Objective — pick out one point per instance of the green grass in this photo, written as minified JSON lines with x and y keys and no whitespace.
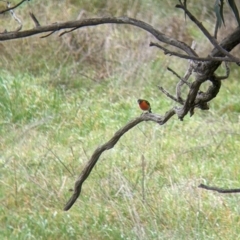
{"x":56,"y":107}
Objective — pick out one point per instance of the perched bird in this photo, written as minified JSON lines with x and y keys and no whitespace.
{"x":144,"y":105}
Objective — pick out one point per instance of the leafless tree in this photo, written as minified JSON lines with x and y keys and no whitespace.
{"x":202,"y":69}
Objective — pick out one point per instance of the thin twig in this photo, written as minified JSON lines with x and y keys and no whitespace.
{"x":11,"y":8}
{"x":58,"y":158}
{"x":220,"y":190}
{"x":68,"y":31}
{"x":216,"y":30}
{"x":47,"y":35}
{"x":36,"y":22}
{"x":171,"y":70}
{"x":184,"y":56}
{"x":184,"y":80}
{"x":164,"y":91}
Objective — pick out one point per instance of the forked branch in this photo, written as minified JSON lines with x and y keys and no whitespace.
{"x":204,"y":69}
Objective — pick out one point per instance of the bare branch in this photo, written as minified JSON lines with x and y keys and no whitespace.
{"x":171,"y":70}
{"x":36,"y":22}
{"x":110,"y":144}
{"x":208,"y":35}
{"x":200,"y":102}
{"x":216,"y":30}
{"x":184,"y":56}
{"x":168,"y":52}
{"x":68,"y":31}
{"x":47,"y":35}
{"x":98,"y":21}
{"x":73,"y":25}
{"x":220,"y":190}
{"x":164,"y":91}
{"x":205,"y":71}
{"x":184,"y":80}
{"x":11,"y":8}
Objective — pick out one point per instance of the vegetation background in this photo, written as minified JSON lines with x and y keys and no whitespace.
{"x":61,"y":97}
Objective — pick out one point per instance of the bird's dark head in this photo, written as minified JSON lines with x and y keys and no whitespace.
{"x":139,"y":101}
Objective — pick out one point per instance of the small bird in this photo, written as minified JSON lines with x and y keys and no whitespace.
{"x":144,"y":105}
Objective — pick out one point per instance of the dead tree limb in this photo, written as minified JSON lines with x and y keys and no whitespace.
{"x":98,"y":21}
{"x":74,"y":25}
{"x":110,"y":144}
{"x":184,"y":56}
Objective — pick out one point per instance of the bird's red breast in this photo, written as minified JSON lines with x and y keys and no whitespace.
{"x":144,"y":105}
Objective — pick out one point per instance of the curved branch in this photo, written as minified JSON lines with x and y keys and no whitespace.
{"x":73,"y":25}
{"x":110,"y":144}
{"x":98,"y":21}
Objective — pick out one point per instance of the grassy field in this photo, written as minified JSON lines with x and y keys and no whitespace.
{"x":61,"y":97}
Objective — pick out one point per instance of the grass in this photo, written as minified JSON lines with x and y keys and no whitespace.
{"x":58,"y":105}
